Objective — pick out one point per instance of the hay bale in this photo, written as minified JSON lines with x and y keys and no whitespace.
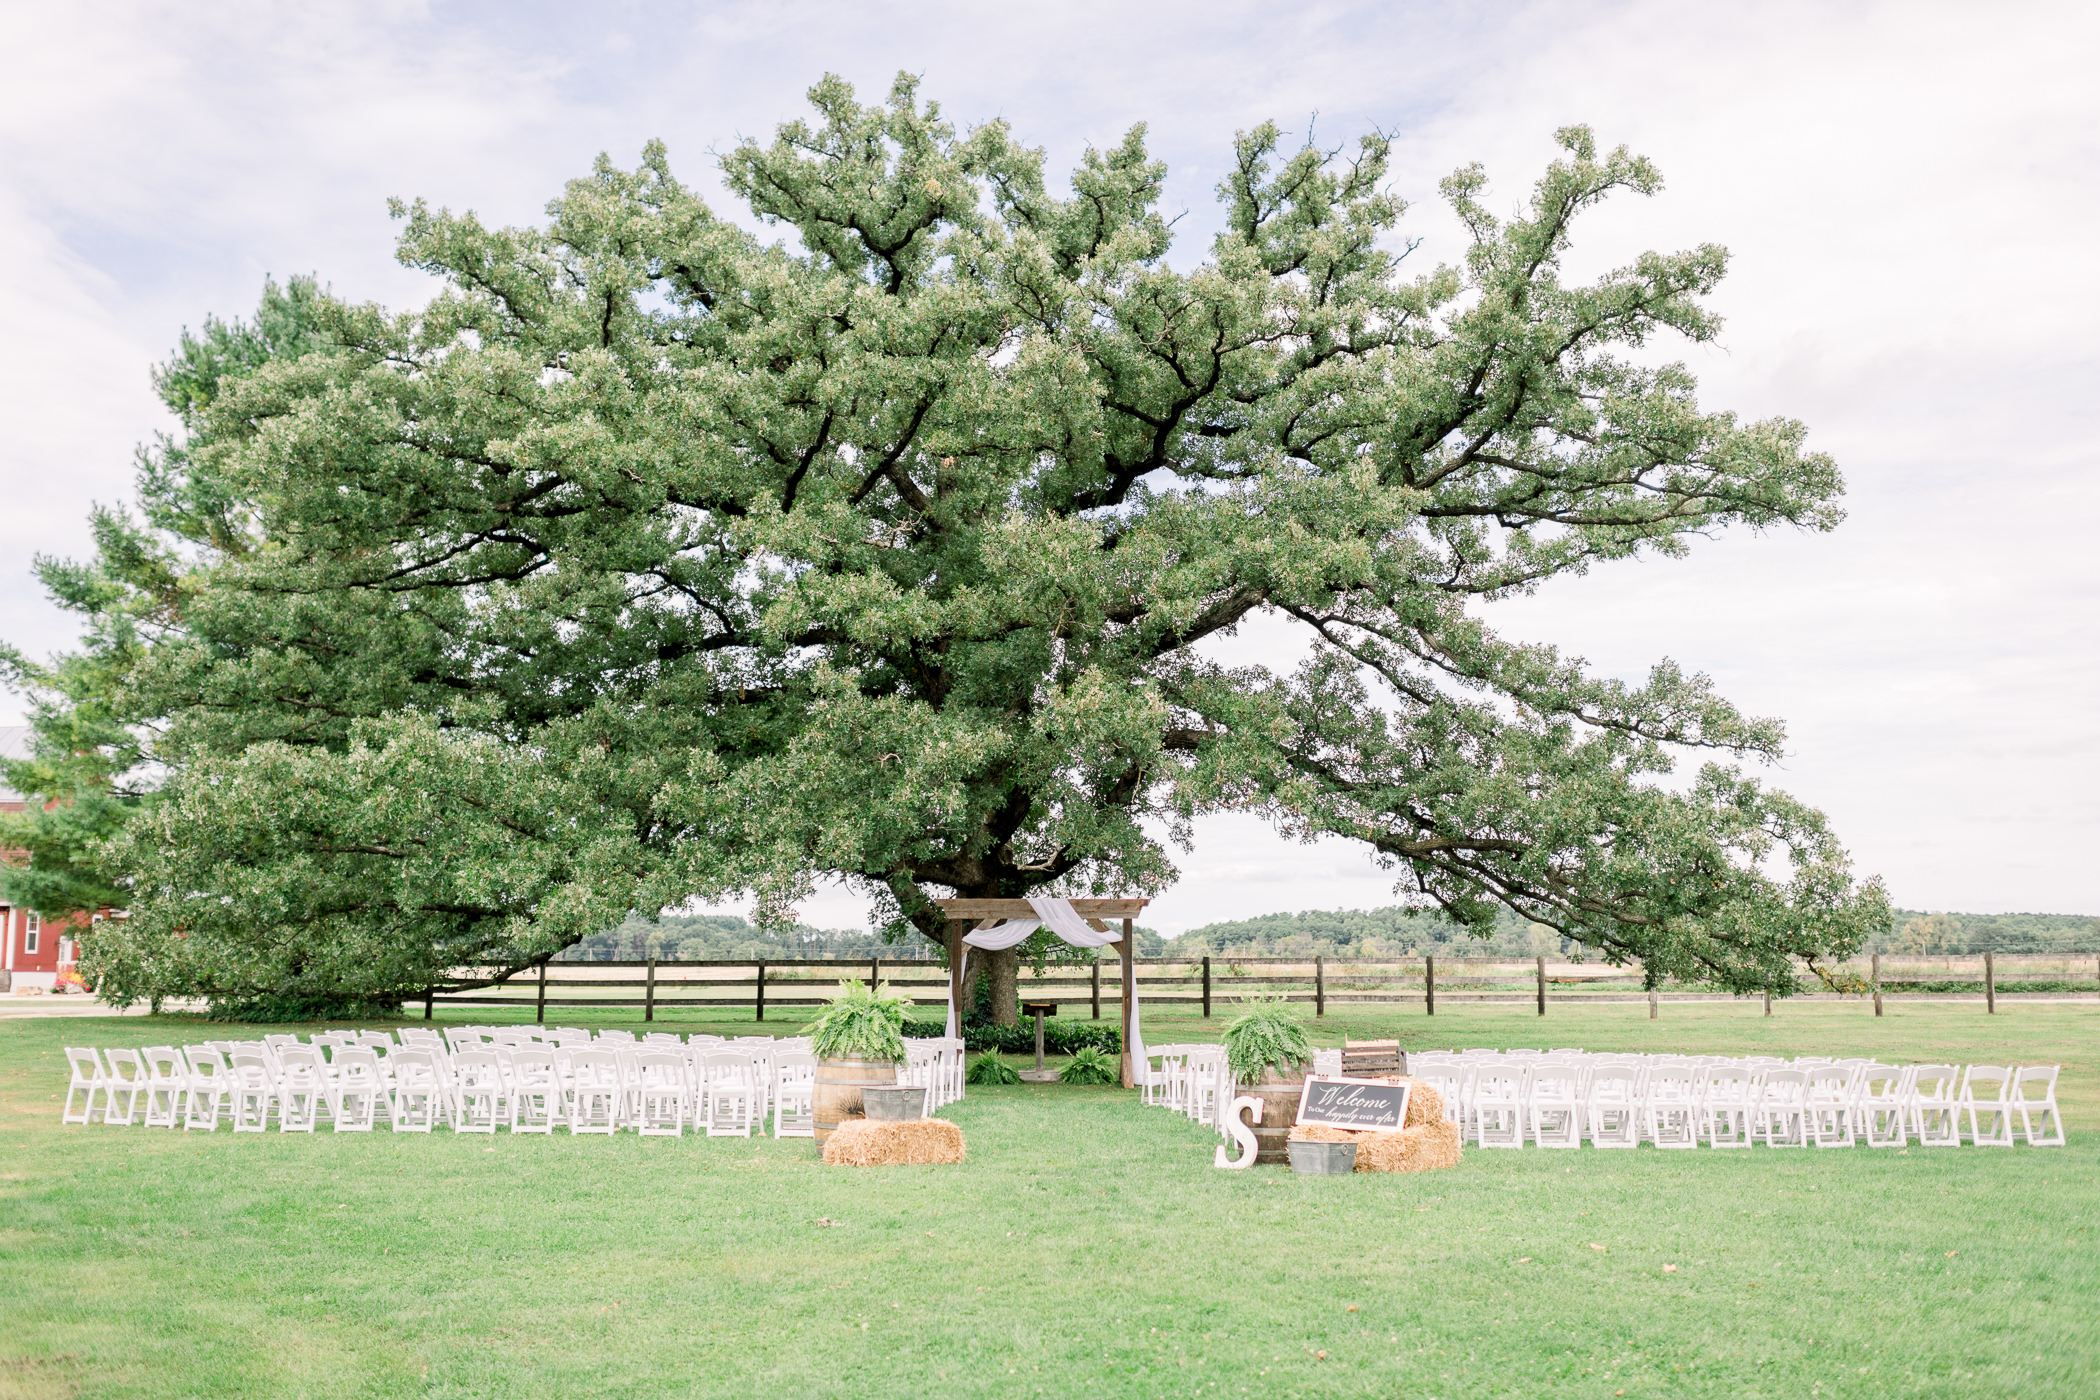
{"x":1424,"y":1106}
{"x":865,"y":1142}
{"x":1423,"y":1149}
{"x":1426,"y":1146}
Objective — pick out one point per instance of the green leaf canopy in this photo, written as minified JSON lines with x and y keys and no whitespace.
{"x":653,"y":559}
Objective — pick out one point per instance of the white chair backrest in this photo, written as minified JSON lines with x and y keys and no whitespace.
{"x":165,"y":1062}
{"x":1986,"y":1082}
{"x":2044,"y":1075}
{"x":414,"y":1066}
{"x":476,"y":1066}
{"x":659,"y":1066}
{"x":205,"y":1061}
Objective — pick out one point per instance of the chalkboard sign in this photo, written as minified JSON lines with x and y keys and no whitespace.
{"x":1360,"y":1105}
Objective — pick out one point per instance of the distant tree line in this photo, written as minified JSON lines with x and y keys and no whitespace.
{"x":1916,"y":931}
{"x":1370,"y":933}
{"x":1400,"y":932}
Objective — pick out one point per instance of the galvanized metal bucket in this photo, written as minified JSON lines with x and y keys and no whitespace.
{"x":1323,"y":1158}
{"x":895,"y":1103}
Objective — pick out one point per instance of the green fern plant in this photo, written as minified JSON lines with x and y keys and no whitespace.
{"x":862,"y":1023}
{"x":1270,"y":1033}
{"x":1091,"y":1065}
{"x":988,"y":1068}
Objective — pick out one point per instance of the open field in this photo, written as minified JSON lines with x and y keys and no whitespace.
{"x":1085,"y":1249}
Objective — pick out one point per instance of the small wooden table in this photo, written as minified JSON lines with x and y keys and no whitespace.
{"x":1039,"y":1009}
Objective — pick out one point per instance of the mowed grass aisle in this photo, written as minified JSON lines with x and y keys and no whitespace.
{"x":1087,"y":1248}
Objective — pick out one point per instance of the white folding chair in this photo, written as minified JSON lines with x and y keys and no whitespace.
{"x":1984,"y":1099}
{"x":1782,"y":1108}
{"x":90,"y":1080}
{"x":917,"y":1071}
{"x":1827,"y":1104}
{"x":1202,"y":1069}
{"x":1498,"y":1105}
{"x":253,"y":1090}
{"x":167,"y":1086}
{"x":595,"y":1091}
{"x":1727,"y":1103}
{"x":1934,"y":1119}
{"x":954,"y":1067}
{"x":536,"y":1095}
{"x":1615,"y":1106}
{"x":728,"y":1087}
{"x":127,"y":1081}
{"x":356,"y":1089}
{"x":208,"y":1083}
{"x":418,"y":1093}
{"x":481,"y":1101}
{"x":794,"y":1095}
{"x":304,"y":1083}
{"x":2042,"y":1110}
{"x":1879,"y":1105}
{"x":660,"y":1093}
{"x":1449,"y":1079}
{"x":1554,"y":1103}
{"x":1670,"y":1104}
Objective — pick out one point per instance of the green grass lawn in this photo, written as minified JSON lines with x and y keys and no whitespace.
{"x":1086,"y":1248}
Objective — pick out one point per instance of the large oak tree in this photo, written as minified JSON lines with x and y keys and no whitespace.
{"x":654,"y":558}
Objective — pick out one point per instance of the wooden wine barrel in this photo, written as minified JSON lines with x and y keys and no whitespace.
{"x":839,"y":1083}
{"x":1279,"y":1094}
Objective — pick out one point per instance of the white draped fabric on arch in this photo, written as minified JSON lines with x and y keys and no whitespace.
{"x":1067,"y":923}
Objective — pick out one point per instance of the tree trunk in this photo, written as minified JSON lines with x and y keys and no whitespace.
{"x":1003,"y":969}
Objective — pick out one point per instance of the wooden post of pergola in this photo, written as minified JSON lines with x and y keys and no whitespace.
{"x":966,"y":914}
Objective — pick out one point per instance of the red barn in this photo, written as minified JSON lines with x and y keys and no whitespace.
{"x":31,"y":951}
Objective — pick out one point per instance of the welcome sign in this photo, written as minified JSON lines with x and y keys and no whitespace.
{"x":1360,"y":1105}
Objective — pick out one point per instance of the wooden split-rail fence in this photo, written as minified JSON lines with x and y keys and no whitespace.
{"x":1216,"y":982}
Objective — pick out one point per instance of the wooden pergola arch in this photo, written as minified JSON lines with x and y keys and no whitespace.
{"x":966,"y":914}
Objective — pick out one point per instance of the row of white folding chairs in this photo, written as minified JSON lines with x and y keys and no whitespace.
{"x":1557,"y":1101}
{"x":935,"y":1064}
{"x":1193,"y":1079}
{"x":657,"y":1090}
{"x":202,"y":1086}
{"x":1848,"y":1100}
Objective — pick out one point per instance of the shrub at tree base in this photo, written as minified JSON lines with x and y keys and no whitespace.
{"x":1020,"y":1040}
{"x":922,"y":1142}
{"x":285,"y":1008}
{"x":988,"y":1068}
{"x":1090,"y":1066}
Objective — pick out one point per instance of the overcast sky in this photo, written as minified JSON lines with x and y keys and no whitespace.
{"x":1909,"y":192}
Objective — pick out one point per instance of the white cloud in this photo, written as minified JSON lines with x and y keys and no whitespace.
{"x":1908,"y":191}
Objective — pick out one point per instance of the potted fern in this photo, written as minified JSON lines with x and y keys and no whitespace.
{"x":1268,"y":1051}
{"x":859,"y":1041}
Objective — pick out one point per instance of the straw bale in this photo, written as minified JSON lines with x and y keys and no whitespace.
{"x":1422,"y":1149}
{"x":865,"y":1142}
{"x":1419,"y":1149}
